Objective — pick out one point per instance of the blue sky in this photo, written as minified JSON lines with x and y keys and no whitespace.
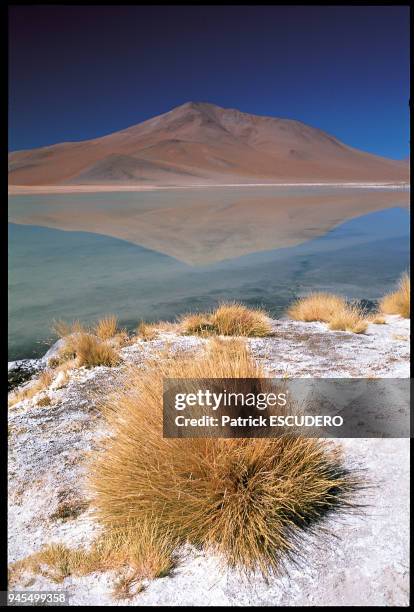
{"x":78,"y":72}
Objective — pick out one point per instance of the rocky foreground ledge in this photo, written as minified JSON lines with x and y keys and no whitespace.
{"x":48,"y":499}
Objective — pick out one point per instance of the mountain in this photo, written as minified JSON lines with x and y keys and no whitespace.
{"x":200,"y":143}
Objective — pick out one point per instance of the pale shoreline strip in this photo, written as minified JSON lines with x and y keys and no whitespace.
{"x":46,"y":189}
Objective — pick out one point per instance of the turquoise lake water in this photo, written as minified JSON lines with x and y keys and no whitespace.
{"x":56,"y":274}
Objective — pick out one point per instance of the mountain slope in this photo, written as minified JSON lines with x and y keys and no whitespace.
{"x":200,"y":143}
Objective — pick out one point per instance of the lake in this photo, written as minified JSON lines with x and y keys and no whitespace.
{"x":261,"y":252}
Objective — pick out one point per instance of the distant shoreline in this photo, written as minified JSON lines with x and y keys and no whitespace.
{"x":50,"y":189}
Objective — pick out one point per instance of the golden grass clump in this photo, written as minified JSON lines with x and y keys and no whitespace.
{"x":138,"y":552}
{"x":147,"y":549}
{"x":106,"y":328}
{"x":126,"y":586}
{"x":350,"y":318}
{"x":316,"y":307}
{"x":376,"y":319}
{"x":237,"y":320}
{"x":44,"y":401}
{"x":331,"y":309}
{"x":90,"y":351}
{"x":197,"y":324}
{"x":90,"y":347}
{"x":147,"y":331}
{"x":121,"y":339}
{"x":398,"y":302}
{"x":31,"y":389}
{"x":63,"y":329}
{"x":251,"y":500}
{"x":230,"y":319}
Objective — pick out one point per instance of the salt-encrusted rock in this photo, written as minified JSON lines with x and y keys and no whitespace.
{"x":53,"y":351}
{"x":59,"y":381}
{"x":22,"y":370}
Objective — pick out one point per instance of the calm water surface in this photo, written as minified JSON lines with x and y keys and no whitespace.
{"x":55,"y":274}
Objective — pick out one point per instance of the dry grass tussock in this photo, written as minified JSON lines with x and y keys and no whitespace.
{"x":376,"y":319}
{"x":32,"y":388}
{"x":63,"y":329}
{"x":106,"y":328}
{"x":251,"y":500}
{"x":350,"y":318}
{"x":137,"y":552}
{"x":331,"y":309}
{"x":44,"y":401}
{"x":316,"y":307}
{"x":91,"y":347}
{"x":230,"y":319}
{"x":398,"y":302}
{"x":57,"y":373}
{"x":147,"y":331}
{"x":90,"y":351}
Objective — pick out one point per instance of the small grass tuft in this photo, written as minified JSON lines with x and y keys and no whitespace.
{"x":229,"y":319}
{"x":398,"y":302}
{"x":350,"y":318}
{"x":91,"y":352}
{"x":120,"y":339}
{"x":148,"y":549}
{"x":331,"y":309}
{"x":150,"y":557}
{"x":32,"y":388}
{"x":63,"y":329}
{"x":197,"y":324}
{"x":147,"y":331}
{"x":106,"y":328}
{"x":44,"y":401}
{"x":237,"y":320}
{"x":126,"y":586}
{"x":90,"y":348}
{"x":316,"y":307}
{"x":376,"y":319}
{"x":54,"y":361}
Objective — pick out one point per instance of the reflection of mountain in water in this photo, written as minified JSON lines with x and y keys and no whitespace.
{"x":76,"y":275}
{"x":205,"y":226}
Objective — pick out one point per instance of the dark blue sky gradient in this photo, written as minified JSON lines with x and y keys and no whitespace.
{"x":81,"y":72}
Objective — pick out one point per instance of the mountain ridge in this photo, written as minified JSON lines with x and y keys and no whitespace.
{"x":200,"y":142}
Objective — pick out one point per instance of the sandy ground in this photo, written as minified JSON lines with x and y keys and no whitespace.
{"x":366,"y":564}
